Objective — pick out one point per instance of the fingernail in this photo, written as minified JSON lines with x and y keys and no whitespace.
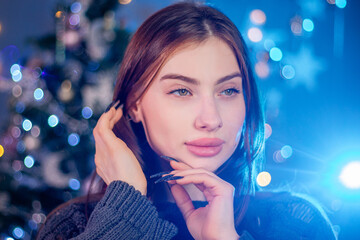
{"x":169,"y":158}
{"x":120,"y":106}
{"x":159,"y":174}
{"x":109,"y":107}
{"x":164,"y":178}
{"x":174,"y":178}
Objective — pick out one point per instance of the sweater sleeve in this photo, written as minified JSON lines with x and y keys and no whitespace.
{"x":123,"y":213}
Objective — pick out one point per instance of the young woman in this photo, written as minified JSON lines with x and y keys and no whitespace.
{"x":182,"y":142}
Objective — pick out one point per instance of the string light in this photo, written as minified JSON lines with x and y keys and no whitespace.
{"x":27,"y":125}
{"x":86,"y":112}
{"x":73,"y":139}
{"x":1,"y":150}
{"x":53,"y":121}
{"x":29,"y":161}
{"x":38,"y":94}
{"x":74,"y":184}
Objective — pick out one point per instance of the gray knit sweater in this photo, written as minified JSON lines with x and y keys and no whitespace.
{"x":123,"y":213}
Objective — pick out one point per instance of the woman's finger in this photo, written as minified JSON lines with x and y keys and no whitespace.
{"x":183,"y":200}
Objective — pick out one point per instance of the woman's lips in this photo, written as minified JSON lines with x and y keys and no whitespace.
{"x":205,"y":147}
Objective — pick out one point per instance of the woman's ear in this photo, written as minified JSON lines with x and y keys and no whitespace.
{"x":135,"y":112}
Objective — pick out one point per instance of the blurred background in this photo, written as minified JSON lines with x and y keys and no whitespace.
{"x":58,"y":62}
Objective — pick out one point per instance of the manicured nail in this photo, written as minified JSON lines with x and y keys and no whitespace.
{"x":159,"y":174}
{"x":109,"y":107}
{"x":169,"y":158}
{"x":163,"y":179}
{"x":174,"y":178}
{"x":120,"y":106}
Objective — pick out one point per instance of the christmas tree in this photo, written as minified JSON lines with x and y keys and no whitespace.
{"x":57,"y":95}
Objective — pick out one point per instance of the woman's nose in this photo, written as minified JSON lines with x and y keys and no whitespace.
{"x":208,"y":118}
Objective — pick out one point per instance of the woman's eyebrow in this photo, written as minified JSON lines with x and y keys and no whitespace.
{"x":195,"y":81}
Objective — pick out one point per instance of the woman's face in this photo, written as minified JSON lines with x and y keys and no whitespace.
{"x":194,"y":109}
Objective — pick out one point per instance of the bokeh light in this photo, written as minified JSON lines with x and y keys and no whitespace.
{"x":20,"y":147}
{"x":350,"y":175}
{"x":308,"y":25}
{"x":255,"y":34}
{"x":275,"y":54}
{"x":74,"y":19}
{"x":340,"y":3}
{"x":277,"y":157}
{"x":1,"y":150}
{"x":53,"y":121}
{"x":74,"y":184}
{"x":16,"y":77}
{"x":262,"y":69}
{"x":75,"y":7}
{"x":38,"y":94}
{"x":16,"y":91}
{"x":286,"y":151}
{"x":257,"y":17}
{"x":124,"y":2}
{"x":35,"y":131}
{"x":27,"y":125}
{"x":15,"y":69}
{"x":73,"y":139}
{"x":288,"y":72}
{"x":18,"y":232}
{"x":20,"y":107}
{"x":29,"y":161}
{"x":268,"y":44}
{"x":263,"y":179}
{"x":268,"y":130}
{"x":86,"y":112}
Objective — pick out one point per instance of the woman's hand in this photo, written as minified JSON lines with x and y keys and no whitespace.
{"x":214,"y":221}
{"x":113,"y":159}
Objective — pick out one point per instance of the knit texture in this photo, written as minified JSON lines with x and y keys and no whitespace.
{"x":123,"y":213}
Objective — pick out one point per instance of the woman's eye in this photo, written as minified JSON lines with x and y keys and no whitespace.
{"x":181,"y":92}
{"x":230,"y":92}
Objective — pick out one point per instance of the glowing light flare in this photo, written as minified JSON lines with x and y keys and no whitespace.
{"x":53,"y":121}
{"x":124,"y":2}
{"x":1,"y":150}
{"x":255,"y":34}
{"x":263,"y":179}
{"x":29,"y":161}
{"x":27,"y":125}
{"x":38,"y":94}
{"x":350,"y":175}
{"x":18,"y":232}
{"x":288,"y":72}
{"x":257,"y":17}
{"x":275,"y":54}
{"x":262,"y":69}
{"x":73,"y":139}
{"x":340,"y":3}
{"x":308,"y":25}
{"x":74,"y":184}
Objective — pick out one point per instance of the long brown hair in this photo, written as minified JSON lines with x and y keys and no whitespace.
{"x":152,"y":44}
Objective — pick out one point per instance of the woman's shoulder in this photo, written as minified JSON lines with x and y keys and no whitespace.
{"x":280,"y":214}
{"x":67,"y":220}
